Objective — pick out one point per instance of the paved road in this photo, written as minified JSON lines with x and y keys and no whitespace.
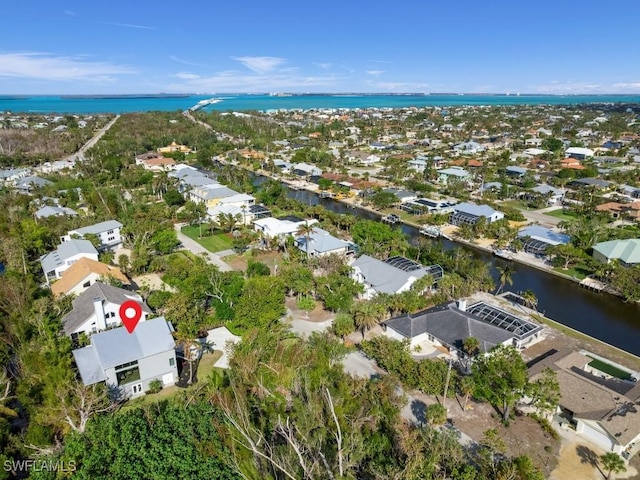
{"x":79,"y":155}
{"x":196,"y":248}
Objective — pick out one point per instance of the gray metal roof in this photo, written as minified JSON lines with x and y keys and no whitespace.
{"x":32,"y":182}
{"x":449,"y":325}
{"x":116,"y":347}
{"x":543,"y":234}
{"x":89,"y":366}
{"x":48,"y":211}
{"x":98,"y":228}
{"x":475,"y":210}
{"x":320,"y":241}
{"x":383,"y":277}
{"x":83,"y":304}
{"x":65,"y":251}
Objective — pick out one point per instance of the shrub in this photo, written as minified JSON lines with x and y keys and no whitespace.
{"x":155,"y":386}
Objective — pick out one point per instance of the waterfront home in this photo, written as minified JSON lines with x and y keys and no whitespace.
{"x":84,"y":273}
{"x":393,"y":275}
{"x":303,"y":169}
{"x":598,"y":407}
{"x":54,"y":211}
{"x":579,"y":153}
{"x":448,"y":325}
{"x":469,"y":213}
{"x":321,"y":243}
{"x":189,"y":177}
{"x":537,"y":239}
{"x":129,"y":362}
{"x":67,"y":253}
{"x":97,"y":309}
{"x":274,"y":227}
{"x":456,"y":173}
{"x":107,"y":232}
{"x":403,"y":196}
{"x":627,"y":252}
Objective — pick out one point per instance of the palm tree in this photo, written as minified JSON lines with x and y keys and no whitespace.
{"x":228,"y":221}
{"x":506,"y":274}
{"x":366,"y":315}
{"x":612,"y":463}
{"x":466,"y":386}
{"x":529,"y":298}
{"x":186,"y":338}
{"x":306,"y":229}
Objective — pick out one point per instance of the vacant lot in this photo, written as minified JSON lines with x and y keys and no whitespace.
{"x":214,"y":243}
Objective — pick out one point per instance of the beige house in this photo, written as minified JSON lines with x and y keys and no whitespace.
{"x":84,"y":273}
{"x":174,"y":147}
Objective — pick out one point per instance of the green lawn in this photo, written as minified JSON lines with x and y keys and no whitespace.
{"x":205,"y":366}
{"x":559,"y":213}
{"x":519,"y":204}
{"x":214,"y":243}
{"x":578,"y":271}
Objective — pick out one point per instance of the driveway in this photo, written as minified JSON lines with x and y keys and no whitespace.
{"x":305,"y":328}
{"x":197,"y":249}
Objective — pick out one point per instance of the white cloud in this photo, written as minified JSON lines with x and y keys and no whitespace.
{"x":187,"y":76}
{"x":128,"y":25}
{"x":260,"y":65}
{"x":49,"y":67}
{"x":230,"y":81}
{"x":186,"y":62}
{"x":324,"y":66}
{"x":375,"y":73}
{"x":627,"y":87}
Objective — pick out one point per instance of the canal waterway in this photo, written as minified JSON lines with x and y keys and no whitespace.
{"x":600,"y":315}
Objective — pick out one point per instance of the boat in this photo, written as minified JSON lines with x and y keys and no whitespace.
{"x":506,"y":254}
{"x":392,"y":218}
{"x":325,"y":194}
{"x":204,"y":103}
{"x":430,"y":231}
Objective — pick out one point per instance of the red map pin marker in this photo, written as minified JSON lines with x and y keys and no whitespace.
{"x":130,"y":313}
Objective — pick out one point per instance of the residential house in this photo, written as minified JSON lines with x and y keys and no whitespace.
{"x":448,"y":325}
{"x":516,"y":172}
{"x":174,"y":147}
{"x":155,"y":162}
{"x":237,"y":205}
{"x":303,"y":169}
{"x":537,"y":239}
{"x":275,"y":228}
{"x":67,"y":253}
{"x":210,"y":195}
{"x":9,"y":176}
{"x":579,"y":153}
{"x":627,"y":252}
{"x":84,"y":273}
{"x":599,"y":408}
{"x":98,"y":308}
{"x":129,"y":362}
{"x":29,"y":184}
{"x":393,"y":275}
{"x":554,"y":195}
{"x":107,"y":232}
{"x":572,"y":163}
{"x":468,"y":148}
{"x":469,"y":213}
{"x":322,"y":243}
{"x":402,"y":195}
{"x":456,"y":173}
{"x":590,"y":182}
{"x":54,"y":211}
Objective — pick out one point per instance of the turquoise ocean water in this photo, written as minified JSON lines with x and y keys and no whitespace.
{"x":124,"y":104}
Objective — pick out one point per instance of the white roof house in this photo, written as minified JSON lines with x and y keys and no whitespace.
{"x":272,"y":227}
{"x":579,"y":152}
{"x":323,"y":243}
{"x":53,"y":211}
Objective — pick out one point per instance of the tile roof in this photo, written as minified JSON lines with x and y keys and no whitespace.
{"x":80,"y":270}
{"x":450,"y":325}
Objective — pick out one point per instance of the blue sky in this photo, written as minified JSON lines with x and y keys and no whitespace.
{"x":139,"y":46}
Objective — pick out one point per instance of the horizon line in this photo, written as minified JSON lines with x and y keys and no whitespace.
{"x":281,"y":93}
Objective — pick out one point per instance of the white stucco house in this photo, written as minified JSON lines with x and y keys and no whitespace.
{"x":55,"y":263}
{"x":107,"y":232}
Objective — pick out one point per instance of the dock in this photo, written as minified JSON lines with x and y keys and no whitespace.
{"x":598,"y":286}
{"x":430,"y":231}
{"x":391,"y":219}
